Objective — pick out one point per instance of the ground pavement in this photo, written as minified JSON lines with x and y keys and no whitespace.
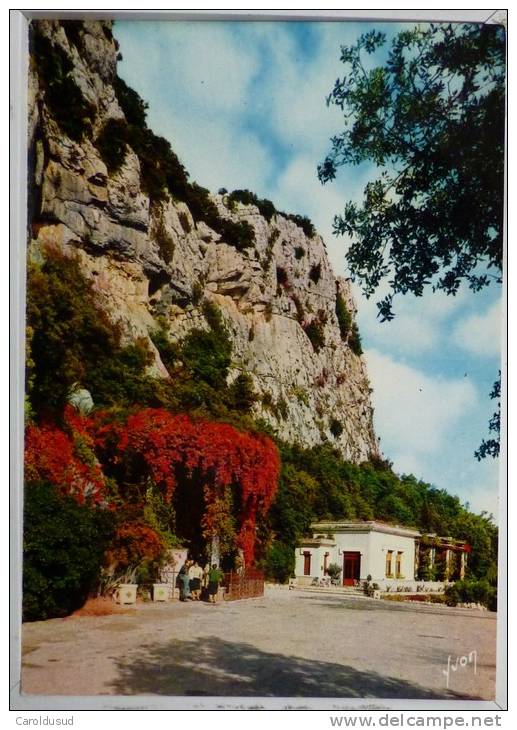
{"x":286,"y":644}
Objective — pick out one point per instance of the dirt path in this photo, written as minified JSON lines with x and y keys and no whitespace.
{"x":287,"y":644}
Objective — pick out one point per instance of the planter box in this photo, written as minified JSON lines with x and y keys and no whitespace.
{"x":126,"y":593}
{"x":161,"y":591}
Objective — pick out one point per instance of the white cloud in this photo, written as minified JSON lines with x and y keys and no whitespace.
{"x":480,"y":334}
{"x":415,"y":413}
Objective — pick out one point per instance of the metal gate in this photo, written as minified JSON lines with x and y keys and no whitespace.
{"x":249,"y":584}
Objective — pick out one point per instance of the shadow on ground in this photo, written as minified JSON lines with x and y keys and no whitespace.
{"x":386,"y":605}
{"x":213,"y":667}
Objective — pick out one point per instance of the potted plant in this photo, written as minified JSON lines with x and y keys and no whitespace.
{"x":334,"y":571}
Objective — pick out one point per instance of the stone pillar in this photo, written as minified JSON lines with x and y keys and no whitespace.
{"x":463,"y":563}
{"x":447,"y":564}
{"x":215,"y":555}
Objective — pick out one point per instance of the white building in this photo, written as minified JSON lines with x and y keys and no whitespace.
{"x":386,"y":553}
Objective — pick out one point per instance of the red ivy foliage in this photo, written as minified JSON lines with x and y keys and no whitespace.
{"x":224,"y":456}
{"x":133,"y":542}
{"x":65,"y":459}
{"x":160,"y":443}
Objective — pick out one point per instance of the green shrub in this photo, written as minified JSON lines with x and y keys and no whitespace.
{"x":112,"y":143}
{"x":354,"y":341}
{"x":344,"y":317}
{"x":242,"y":394}
{"x":246,"y":197}
{"x":472,"y":591}
{"x":63,"y":546}
{"x":279,"y":562}
{"x":134,"y":108}
{"x":63,"y":97}
{"x":302,"y":222}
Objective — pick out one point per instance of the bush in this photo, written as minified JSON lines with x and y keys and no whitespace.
{"x":242,"y":394}
{"x":344,"y":317}
{"x":63,"y":546}
{"x":355,"y":341}
{"x":472,"y":591}
{"x":134,"y":108}
{"x":246,"y":197}
{"x":302,"y":222}
{"x":112,"y":143}
{"x":279,"y":562}
{"x":334,"y":571}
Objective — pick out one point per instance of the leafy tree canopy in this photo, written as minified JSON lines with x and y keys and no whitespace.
{"x":432,"y":118}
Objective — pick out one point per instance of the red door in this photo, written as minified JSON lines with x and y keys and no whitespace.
{"x":351,"y":568}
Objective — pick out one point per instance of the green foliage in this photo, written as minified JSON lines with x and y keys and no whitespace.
{"x":72,"y":340}
{"x":434,"y":117}
{"x":63,"y":97}
{"x":63,"y":546}
{"x":242,"y":394}
{"x":472,"y":591}
{"x":279,"y":562}
{"x":491,"y":446}
{"x":344,"y":317}
{"x":161,"y":516}
{"x":334,"y":571}
{"x":266,"y":208}
{"x":355,"y":340}
{"x":302,"y":222}
{"x":112,"y":143}
{"x":134,"y":108}
{"x":206,"y":355}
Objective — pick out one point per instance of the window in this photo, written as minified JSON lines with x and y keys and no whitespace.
{"x":325,"y":563}
{"x":389,"y":558}
{"x":398,"y":565}
{"x":306,"y":563}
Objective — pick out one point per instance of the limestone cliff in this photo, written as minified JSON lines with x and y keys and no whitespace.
{"x":149,"y":260}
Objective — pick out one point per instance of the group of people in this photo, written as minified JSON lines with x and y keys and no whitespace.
{"x":195,"y":581}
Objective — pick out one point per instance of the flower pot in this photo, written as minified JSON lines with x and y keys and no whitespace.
{"x":161,"y":591}
{"x":126,"y":593}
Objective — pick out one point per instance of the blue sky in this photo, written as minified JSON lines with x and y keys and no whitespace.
{"x":243,"y":105}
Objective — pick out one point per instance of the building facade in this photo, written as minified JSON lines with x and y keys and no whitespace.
{"x":389,"y":555}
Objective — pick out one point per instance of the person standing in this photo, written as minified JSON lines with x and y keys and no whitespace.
{"x":215,"y":576}
{"x":195,"y":573}
{"x":184,"y":580}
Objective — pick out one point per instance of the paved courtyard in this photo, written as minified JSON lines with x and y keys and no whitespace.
{"x":286,"y":644}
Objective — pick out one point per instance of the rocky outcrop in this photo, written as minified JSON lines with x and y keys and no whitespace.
{"x":154,"y":260}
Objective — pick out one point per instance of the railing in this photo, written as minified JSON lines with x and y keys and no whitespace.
{"x":248,"y":584}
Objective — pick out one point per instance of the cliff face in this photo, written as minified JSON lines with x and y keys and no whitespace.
{"x":278,"y":296}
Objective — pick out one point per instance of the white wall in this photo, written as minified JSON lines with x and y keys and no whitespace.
{"x":380,"y":544}
{"x":372,"y":546}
